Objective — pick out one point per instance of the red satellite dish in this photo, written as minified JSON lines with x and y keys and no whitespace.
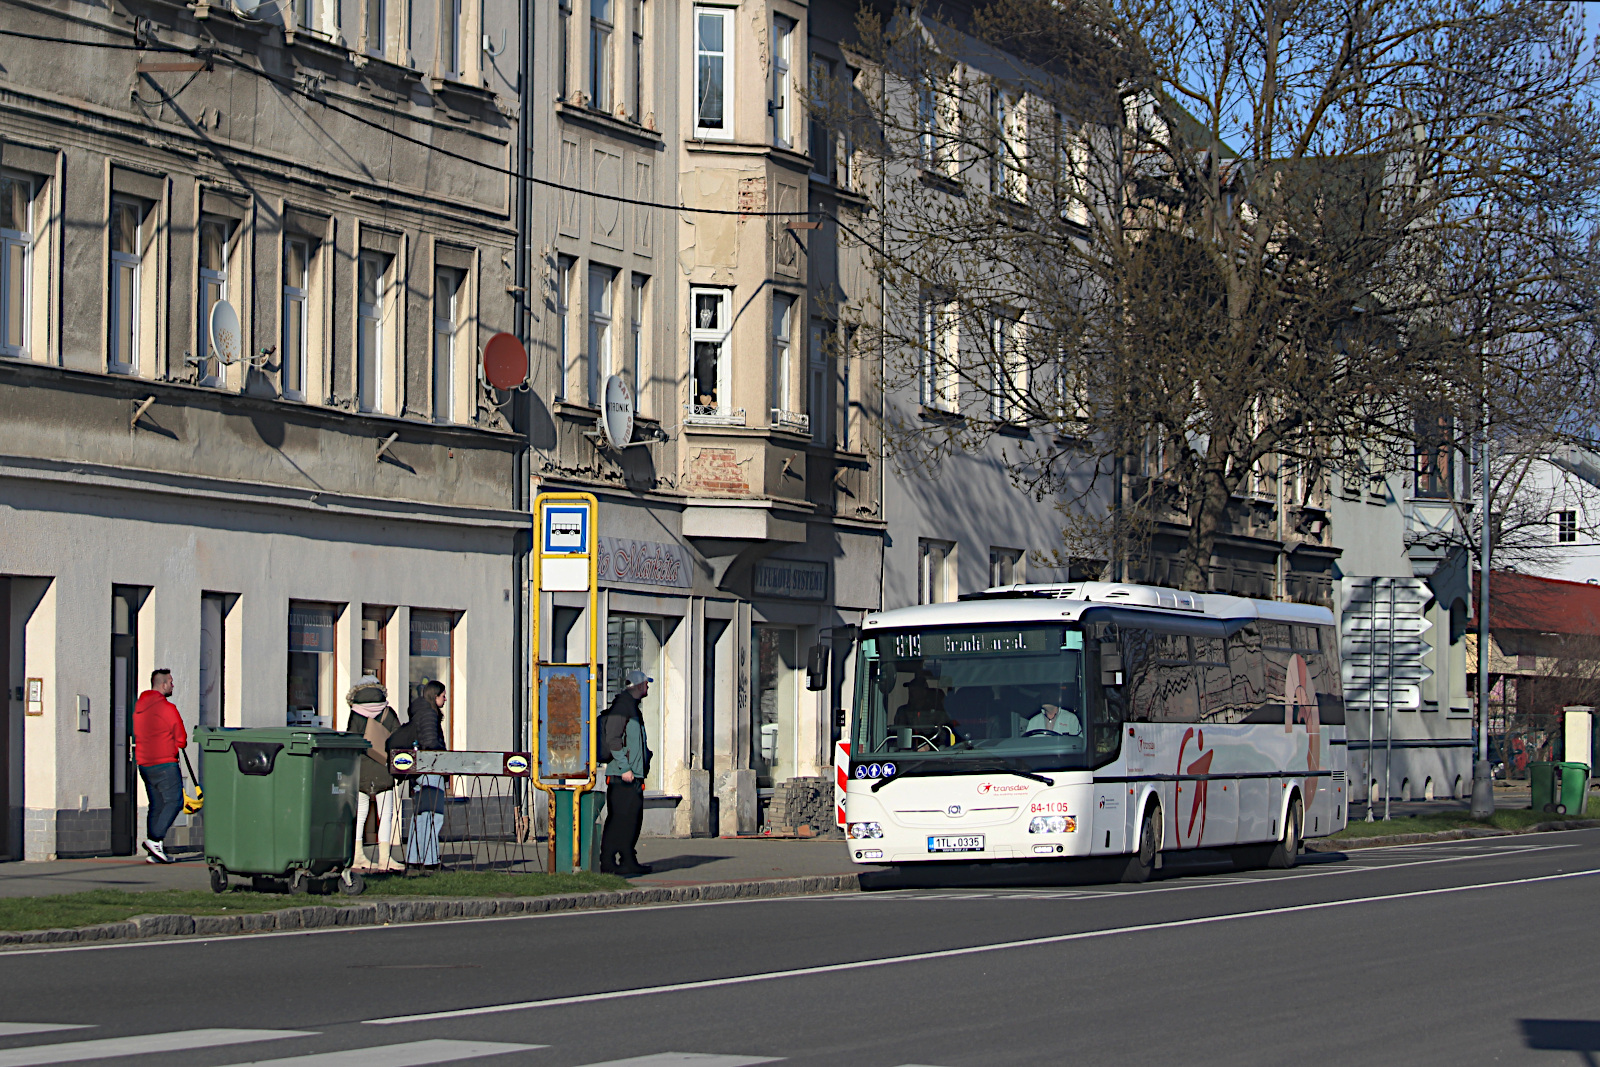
{"x":505,"y":361}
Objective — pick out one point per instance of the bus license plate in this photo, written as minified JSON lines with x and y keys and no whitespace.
{"x":970,"y":843}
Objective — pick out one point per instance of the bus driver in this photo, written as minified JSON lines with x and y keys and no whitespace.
{"x":1054,"y":719}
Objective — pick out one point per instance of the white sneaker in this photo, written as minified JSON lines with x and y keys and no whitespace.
{"x":157,"y":853}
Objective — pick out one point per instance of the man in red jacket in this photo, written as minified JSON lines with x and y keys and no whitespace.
{"x":157,"y":735}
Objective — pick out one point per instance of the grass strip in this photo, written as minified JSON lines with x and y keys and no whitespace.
{"x":1502,"y":819}
{"x":94,"y":906}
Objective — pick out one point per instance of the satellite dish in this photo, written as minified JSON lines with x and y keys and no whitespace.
{"x":617,"y":419}
{"x":505,"y":361}
{"x":246,"y":7}
{"x":227,"y":337}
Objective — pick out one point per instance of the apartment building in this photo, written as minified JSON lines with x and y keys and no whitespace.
{"x":333,"y":490}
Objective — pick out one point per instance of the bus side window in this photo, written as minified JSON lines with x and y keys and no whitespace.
{"x":1176,"y":696}
{"x":1216,"y":678}
{"x":1246,"y":666}
{"x":1138,"y":673}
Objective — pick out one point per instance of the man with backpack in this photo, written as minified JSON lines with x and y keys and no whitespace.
{"x":627,"y":758}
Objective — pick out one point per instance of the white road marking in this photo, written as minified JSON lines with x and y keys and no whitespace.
{"x":410,"y":1054}
{"x":18,"y":1029}
{"x":138,"y":1045}
{"x":950,"y":953}
{"x":687,"y":1059}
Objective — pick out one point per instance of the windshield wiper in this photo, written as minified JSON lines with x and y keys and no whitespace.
{"x":881,"y":782}
{"x":1026,"y":774}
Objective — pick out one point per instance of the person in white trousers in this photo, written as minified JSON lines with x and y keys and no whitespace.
{"x":373,"y":718}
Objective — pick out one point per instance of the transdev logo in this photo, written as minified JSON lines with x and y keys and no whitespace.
{"x":989,"y":789}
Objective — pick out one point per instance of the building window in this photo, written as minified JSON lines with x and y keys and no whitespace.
{"x":1008,"y":179}
{"x":939,"y":384}
{"x":708,"y":340}
{"x":308,"y":14}
{"x":565,"y":268}
{"x":213,"y":672}
{"x":372,"y":27}
{"x":375,"y":642}
{"x":935,"y":571}
{"x":296,"y":315}
{"x":781,"y":371}
{"x":126,"y":301}
{"x":782,"y":39}
{"x":450,"y":37}
{"x":600,"y":27}
{"x":1435,"y":461}
{"x":1566,"y":527}
{"x":16,"y":262}
{"x":446,"y":294}
{"x":432,"y":647}
{"x":313,"y":664}
{"x":1005,"y":566}
{"x":638,"y":357}
{"x":215,"y":238}
{"x":713,"y":44}
{"x":817,"y":381}
{"x":849,"y":429}
{"x":600,"y":286}
{"x":564,"y":49}
{"x":818,"y":139}
{"x":372,"y":285}
{"x":1008,"y":369}
{"x":636,"y":65}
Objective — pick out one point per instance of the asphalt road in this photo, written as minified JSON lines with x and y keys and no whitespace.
{"x":1458,"y":953}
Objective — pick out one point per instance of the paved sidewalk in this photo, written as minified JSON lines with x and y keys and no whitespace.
{"x":677,"y":862}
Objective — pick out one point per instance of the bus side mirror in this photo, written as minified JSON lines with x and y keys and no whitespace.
{"x":1110,"y":664}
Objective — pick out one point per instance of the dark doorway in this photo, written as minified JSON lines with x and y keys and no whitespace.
{"x":125,"y":603}
{"x":716,"y":630}
{"x":9,"y":848}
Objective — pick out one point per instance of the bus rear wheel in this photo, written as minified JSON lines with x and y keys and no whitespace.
{"x":1142,"y":864}
{"x":1286,"y":853}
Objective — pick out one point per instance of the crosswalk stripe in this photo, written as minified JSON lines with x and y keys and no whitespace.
{"x":687,"y":1059}
{"x":139,"y":1045}
{"x":410,"y":1054}
{"x":18,"y":1029}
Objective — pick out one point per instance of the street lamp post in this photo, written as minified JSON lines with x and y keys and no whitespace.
{"x":1482,"y":781}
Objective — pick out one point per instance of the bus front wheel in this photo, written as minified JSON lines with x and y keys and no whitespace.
{"x":1142,"y":864}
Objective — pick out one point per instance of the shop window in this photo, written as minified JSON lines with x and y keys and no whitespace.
{"x":432,"y":647}
{"x":637,"y":643}
{"x":313,"y":664}
{"x":775,"y":672}
{"x":375,"y":642}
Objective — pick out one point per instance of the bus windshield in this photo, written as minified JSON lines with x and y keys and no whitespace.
{"x":974,"y":698}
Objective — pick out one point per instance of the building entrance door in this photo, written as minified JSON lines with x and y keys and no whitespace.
{"x":7,"y":845}
{"x":125,"y":602}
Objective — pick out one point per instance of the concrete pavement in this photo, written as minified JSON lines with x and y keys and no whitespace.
{"x":1376,"y":955}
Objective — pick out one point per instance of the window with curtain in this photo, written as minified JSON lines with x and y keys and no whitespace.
{"x":297,"y":253}
{"x":16,"y":252}
{"x":600,"y":363}
{"x":782,"y":43}
{"x":708,"y":338}
{"x":638,"y":355}
{"x":781,"y":371}
{"x":215,"y":238}
{"x":713,"y":44}
{"x":446,"y":300}
{"x":371,"y":296}
{"x":127,"y":252}
{"x":636,"y":60}
{"x":601,"y":27}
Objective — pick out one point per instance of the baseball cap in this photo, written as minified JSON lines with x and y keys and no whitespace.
{"x":637,"y":678}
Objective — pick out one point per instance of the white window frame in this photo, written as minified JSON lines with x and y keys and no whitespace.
{"x":725,"y":16}
{"x":636,"y":60}
{"x":296,"y":296}
{"x":817,"y":406}
{"x":375,"y":17}
{"x":1003,"y":560}
{"x":602,"y":68}
{"x":566,"y":268}
{"x":819,"y":140}
{"x":783,"y":33}
{"x":939,"y":381}
{"x":638,"y":357}
{"x":370,"y":348}
{"x":452,"y":51}
{"x":1567,"y":527}
{"x":935,"y":571}
{"x":721,"y":410}
{"x":11,"y":240}
{"x":564,"y":48}
{"x":131,"y":266}
{"x":601,"y":298}
{"x":212,"y":372}
{"x":778,"y":367}
{"x":443,"y":363}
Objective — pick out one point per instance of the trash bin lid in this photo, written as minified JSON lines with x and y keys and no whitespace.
{"x":220,"y":739}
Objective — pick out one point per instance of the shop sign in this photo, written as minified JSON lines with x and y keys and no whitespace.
{"x":310,"y":630}
{"x":630,"y":562}
{"x":791,"y":579}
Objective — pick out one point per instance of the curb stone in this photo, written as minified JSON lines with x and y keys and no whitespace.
{"x":417,"y":910}
{"x":1465,"y":833}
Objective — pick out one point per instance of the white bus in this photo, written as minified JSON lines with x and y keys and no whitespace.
{"x":1096,"y":720}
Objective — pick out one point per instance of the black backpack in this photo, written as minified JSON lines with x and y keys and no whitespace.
{"x":603,"y":751}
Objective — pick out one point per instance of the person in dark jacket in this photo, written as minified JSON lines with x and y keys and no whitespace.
{"x":425,"y":729}
{"x":372,"y":718}
{"x":630,"y":762}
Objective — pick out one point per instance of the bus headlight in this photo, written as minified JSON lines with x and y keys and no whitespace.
{"x":864,"y":830}
{"x":1052,"y":824}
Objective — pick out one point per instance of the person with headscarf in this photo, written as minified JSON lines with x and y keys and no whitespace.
{"x":372,"y":718}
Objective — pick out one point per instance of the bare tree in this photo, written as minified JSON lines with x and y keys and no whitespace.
{"x":1227,"y":238}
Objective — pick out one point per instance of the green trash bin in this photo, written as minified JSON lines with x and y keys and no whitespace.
{"x":281,"y":802}
{"x":1574,"y":788}
{"x":1542,"y":784}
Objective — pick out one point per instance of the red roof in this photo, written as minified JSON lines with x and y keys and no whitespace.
{"x":1545,"y":605}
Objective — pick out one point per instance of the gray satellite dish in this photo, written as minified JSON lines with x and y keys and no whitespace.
{"x":616,"y":421}
{"x":227,"y":338}
{"x":246,"y":7}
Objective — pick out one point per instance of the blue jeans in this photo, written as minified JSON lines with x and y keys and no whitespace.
{"x":427,"y":820}
{"x":164,"y":786}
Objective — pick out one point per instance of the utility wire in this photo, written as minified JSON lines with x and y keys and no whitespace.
{"x":296,"y":89}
